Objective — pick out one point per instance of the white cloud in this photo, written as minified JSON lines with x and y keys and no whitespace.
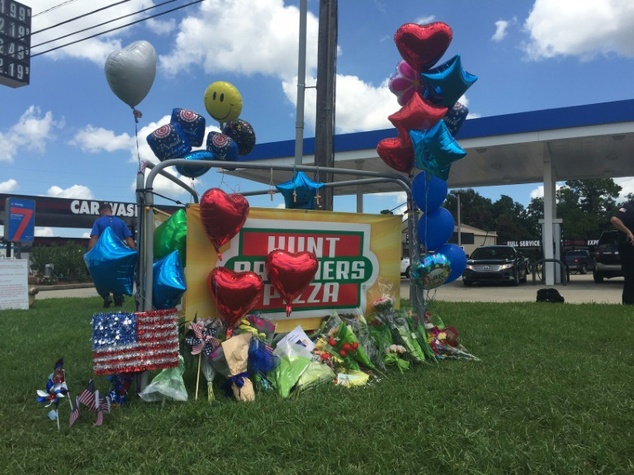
{"x":425,"y":20}
{"x":8,"y":186}
{"x":539,"y":191}
{"x":30,"y":133}
{"x":244,"y":36}
{"x":75,"y":191}
{"x":162,"y":27}
{"x":44,"y":231}
{"x":500,"y":30}
{"x":581,"y":28}
{"x":627,"y":185}
{"x":359,"y":105}
{"x":96,"y":139}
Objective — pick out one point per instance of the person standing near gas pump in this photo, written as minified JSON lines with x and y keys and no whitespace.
{"x":623,"y":221}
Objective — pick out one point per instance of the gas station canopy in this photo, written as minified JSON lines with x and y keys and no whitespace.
{"x":575,"y":143}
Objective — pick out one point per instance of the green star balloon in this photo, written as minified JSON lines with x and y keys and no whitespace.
{"x":171,"y":236}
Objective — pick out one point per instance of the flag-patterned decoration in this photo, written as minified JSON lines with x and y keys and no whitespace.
{"x":89,"y":397}
{"x":134,"y":342}
{"x":74,"y":413}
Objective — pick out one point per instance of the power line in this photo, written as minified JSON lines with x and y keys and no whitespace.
{"x":115,"y":29}
{"x":78,"y":17}
{"x":101,"y":24}
{"x":54,"y":7}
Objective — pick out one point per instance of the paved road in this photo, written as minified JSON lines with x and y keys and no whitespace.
{"x":580,"y":289}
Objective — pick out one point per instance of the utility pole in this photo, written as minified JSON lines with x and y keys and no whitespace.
{"x":325,"y":114}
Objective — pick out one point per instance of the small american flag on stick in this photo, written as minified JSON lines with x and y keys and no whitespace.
{"x":134,"y":342}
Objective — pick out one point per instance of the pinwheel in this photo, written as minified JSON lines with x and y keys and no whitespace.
{"x":202,"y":341}
{"x":55,"y":389}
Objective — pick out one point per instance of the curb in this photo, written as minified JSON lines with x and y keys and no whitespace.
{"x":64,"y":287}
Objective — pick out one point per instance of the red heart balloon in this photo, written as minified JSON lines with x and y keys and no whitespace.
{"x":235,"y":293}
{"x":290,"y":273}
{"x":222,"y":215}
{"x":397,"y":152}
{"x":421,"y":46}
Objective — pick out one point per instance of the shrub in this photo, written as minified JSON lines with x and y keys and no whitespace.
{"x":67,"y":260}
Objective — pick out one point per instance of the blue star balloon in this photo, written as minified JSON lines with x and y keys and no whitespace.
{"x":445,"y":84}
{"x":435,"y":149}
{"x":111,"y":264}
{"x":299,"y":192}
{"x":169,"y":282}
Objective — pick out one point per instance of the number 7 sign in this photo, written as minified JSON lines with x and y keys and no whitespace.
{"x":19,"y":222}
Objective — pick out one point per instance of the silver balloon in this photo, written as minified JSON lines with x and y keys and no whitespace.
{"x":130,"y":72}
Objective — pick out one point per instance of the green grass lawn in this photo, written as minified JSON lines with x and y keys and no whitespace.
{"x":552,"y":393}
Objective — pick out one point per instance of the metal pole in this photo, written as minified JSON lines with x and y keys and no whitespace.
{"x":325,"y":113}
{"x":459,"y":219}
{"x":301,"y":84}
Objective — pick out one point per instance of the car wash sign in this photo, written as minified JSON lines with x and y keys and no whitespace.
{"x":19,"y":220}
{"x":354,"y":251}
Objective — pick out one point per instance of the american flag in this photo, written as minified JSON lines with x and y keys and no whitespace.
{"x":133,"y":342}
{"x":74,"y":413}
{"x":87,"y":396}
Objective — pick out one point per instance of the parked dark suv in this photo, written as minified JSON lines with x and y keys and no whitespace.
{"x":607,"y":262}
{"x":496,"y":264}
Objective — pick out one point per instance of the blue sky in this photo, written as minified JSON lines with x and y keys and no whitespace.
{"x":68,"y":135}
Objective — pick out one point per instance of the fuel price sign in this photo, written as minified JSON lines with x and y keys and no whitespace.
{"x":15,"y":43}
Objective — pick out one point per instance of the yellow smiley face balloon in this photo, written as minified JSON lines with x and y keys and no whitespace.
{"x":223,"y":101}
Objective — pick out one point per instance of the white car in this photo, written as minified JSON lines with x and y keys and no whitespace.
{"x":405,"y":264}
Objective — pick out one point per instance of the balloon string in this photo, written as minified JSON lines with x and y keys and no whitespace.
{"x":137,"y":115}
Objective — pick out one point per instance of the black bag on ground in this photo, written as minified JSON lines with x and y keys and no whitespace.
{"x":549,"y":295}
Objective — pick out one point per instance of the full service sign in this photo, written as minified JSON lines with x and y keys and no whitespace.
{"x":356,"y":252}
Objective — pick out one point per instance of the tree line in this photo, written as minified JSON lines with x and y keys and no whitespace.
{"x":585,"y":206}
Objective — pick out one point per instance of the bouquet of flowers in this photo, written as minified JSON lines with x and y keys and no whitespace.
{"x":316,"y":373}
{"x":360,"y":328}
{"x":385,"y":314}
{"x":236,"y":352}
{"x":393,"y":356}
{"x":261,"y":362}
{"x":340,"y":338}
{"x":294,"y":358}
{"x":444,"y":340}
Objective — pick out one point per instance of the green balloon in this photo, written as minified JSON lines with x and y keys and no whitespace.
{"x":171,"y":236}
